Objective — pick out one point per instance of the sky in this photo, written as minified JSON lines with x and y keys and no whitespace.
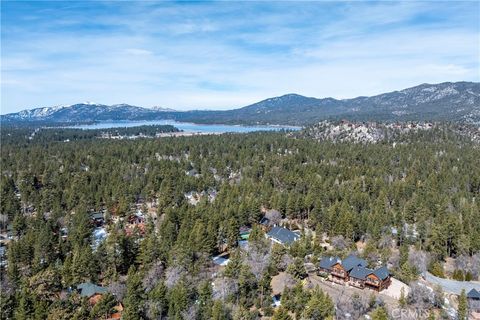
{"x":224,"y":55}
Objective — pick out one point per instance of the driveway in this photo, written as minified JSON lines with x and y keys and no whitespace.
{"x":395,"y":289}
{"x":452,"y":286}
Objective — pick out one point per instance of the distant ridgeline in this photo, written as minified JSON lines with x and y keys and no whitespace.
{"x":448,"y":101}
{"x":34,"y":133}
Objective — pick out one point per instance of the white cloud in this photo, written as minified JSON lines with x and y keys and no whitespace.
{"x":231,"y":55}
{"x":138,"y":52}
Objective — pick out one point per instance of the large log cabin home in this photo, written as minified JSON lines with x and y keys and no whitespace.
{"x":353,"y":271}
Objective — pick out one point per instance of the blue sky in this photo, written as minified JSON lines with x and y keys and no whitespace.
{"x":220,"y":55}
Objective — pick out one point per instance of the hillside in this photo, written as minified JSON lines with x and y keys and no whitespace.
{"x":458,"y":101}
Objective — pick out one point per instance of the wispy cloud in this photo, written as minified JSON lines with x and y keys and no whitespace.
{"x":229,"y":54}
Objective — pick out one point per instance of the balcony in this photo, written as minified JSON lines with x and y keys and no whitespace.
{"x":340,"y":274}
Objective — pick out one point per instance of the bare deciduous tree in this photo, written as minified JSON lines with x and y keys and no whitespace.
{"x":420,"y":296}
{"x":118,"y":289}
{"x":258,"y":258}
{"x":385,"y":241}
{"x":191,"y":313}
{"x":419,"y":259}
{"x":475,"y":268}
{"x":352,"y":307}
{"x":153,"y":276}
{"x":274,"y":217}
{"x":154,"y":309}
{"x":173,"y":274}
{"x":223,"y":288}
{"x":340,"y":243}
{"x":394,"y":259}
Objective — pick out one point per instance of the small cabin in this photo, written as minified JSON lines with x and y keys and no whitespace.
{"x":473,"y":297}
{"x":97,"y":218}
{"x":91,"y":291}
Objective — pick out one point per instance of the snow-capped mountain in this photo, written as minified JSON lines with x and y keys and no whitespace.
{"x":84,"y":112}
{"x":457,"y":101}
{"x":163,"y":109}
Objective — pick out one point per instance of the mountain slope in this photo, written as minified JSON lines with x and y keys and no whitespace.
{"x":446,"y":101}
{"x":84,"y":112}
{"x":458,"y":101}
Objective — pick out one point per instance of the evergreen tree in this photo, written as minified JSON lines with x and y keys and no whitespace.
{"x":134,"y":297}
{"x":462,"y":312}
{"x":379,"y":314}
{"x":281,"y":314}
{"x":319,"y":306}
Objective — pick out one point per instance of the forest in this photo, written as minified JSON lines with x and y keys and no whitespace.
{"x":421,"y":194}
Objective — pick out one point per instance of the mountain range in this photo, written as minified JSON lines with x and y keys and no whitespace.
{"x":452,"y":101}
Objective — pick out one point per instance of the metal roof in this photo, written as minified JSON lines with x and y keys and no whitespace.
{"x":283,"y":235}
{"x":97,"y":215}
{"x":88,"y":289}
{"x":328,"y":262}
{"x":264,"y":221}
{"x":353,"y":261}
{"x":360,"y":272}
{"x":473,"y":294}
{"x":382,"y":273}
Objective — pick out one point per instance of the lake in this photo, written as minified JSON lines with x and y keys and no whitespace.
{"x":185,"y":126}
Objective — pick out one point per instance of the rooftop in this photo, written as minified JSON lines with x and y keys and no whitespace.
{"x":382,"y":273}
{"x":283,"y":235}
{"x":88,"y":289}
{"x":353,"y":261}
{"x":361,"y":273}
{"x":328,"y":262}
{"x":473,"y":294}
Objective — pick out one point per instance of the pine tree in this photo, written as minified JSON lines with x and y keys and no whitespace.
{"x":379,"y":314}
{"x":320,"y":306}
{"x":402,"y":301}
{"x":219,"y":312}
{"x":281,"y":314}
{"x":462,"y":311}
{"x":205,"y":300}
{"x":134,"y":296}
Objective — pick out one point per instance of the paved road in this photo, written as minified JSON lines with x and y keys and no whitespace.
{"x":452,"y":286}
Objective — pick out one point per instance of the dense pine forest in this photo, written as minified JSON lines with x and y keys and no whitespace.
{"x":419,"y":194}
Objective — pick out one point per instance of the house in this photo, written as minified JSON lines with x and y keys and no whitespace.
{"x":353,"y":261}
{"x":118,"y":309}
{"x":362,"y":277}
{"x":97,"y":218}
{"x":340,"y":271}
{"x":264,"y":224}
{"x":245,"y":232}
{"x":222,"y":259}
{"x":132,"y":229}
{"x":473,"y":297}
{"x":358,"y":277}
{"x":326,"y":264}
{"x":353,"y":271}
{"x":379,"y":279}
{"x":91,"y":291}
{"x":282,"y":236}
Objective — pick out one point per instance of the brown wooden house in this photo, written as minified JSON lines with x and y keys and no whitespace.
{"x":353,"y":270}
{"x":379,"y":279}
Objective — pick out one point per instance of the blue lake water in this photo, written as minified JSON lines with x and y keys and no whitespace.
{"x":185,"y":126}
